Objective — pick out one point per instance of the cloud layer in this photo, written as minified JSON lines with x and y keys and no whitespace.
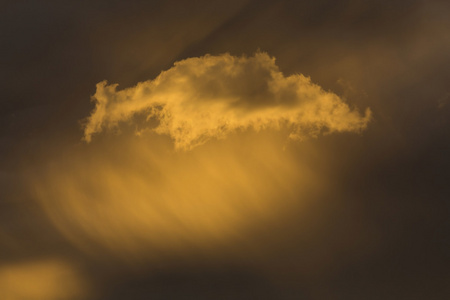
{"x":211,"y":96}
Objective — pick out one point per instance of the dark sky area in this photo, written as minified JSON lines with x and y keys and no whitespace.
{"x":378,"y":226}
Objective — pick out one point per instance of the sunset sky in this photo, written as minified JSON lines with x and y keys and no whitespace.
{"x":225,"y":150}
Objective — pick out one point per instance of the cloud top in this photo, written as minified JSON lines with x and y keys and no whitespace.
{"x":211,"y":96}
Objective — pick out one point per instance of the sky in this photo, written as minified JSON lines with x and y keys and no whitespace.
{"x":224,"y":149}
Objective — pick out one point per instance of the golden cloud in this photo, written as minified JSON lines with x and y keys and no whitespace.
{"x":211,"y":96}
{"x":135,"y":198}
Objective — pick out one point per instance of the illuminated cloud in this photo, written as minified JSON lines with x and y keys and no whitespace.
{"x":211,"y":96}
{"x":136,"y":199}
